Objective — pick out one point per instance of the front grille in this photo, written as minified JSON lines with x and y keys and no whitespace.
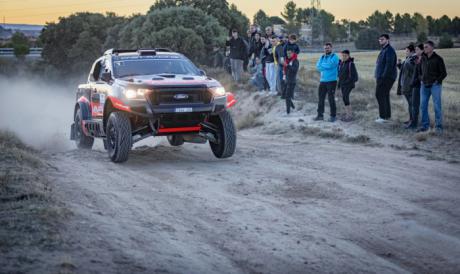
{"x":181,"y":95}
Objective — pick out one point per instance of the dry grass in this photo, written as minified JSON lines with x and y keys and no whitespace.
{"x":363,"y":97}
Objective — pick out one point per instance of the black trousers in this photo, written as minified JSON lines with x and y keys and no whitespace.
{"x":409,"y":105}
{"x":382,"y":93}
{"x":327,"y":88}
{"x":415,"y":106}
{"x":289,"y":94}
{"x":346,"y":95}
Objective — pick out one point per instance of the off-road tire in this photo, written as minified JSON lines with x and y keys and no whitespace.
{"x":82,"y":141}
{"x":119,"y":138}
{"x":175,"y":140}
{"x":226,"y":135}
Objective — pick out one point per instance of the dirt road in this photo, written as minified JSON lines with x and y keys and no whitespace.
{"x":279,"y":206}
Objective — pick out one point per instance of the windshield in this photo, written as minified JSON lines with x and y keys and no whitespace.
{"x":148,"y":66}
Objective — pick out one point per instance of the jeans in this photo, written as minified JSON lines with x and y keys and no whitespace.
{"x":271,"y":76}
{"x":382,"y":93}
{"x":279,"y":80}
{"x":258,"y":82}
{"x":425,"y":94}
{"x":289,"y":93}
{"x":327,"y":88}
{"x":237,"y":69}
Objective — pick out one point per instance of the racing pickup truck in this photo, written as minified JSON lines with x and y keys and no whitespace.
{"x":135,"y":94}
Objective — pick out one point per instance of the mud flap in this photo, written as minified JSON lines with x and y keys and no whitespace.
{"x":72,"y":132}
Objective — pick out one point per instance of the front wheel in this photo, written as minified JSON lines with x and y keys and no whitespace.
{"x":225,"y":144}
{"x":82,"y":141}
{"x":119,"y":138}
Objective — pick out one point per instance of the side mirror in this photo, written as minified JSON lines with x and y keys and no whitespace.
{"x":106,"y":76}
{"x":202,"y":72}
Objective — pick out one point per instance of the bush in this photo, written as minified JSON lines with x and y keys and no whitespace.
{"x":445,"y":42}
{"x":422,"y":37}
{"x":21,"y":50}
{"x":367,"y":39}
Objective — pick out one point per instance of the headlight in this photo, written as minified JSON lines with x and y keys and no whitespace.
{"x":218,"y":91}
{"x":135,"y":94}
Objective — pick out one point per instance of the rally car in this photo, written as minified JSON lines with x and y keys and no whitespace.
{"x":134,"y":94}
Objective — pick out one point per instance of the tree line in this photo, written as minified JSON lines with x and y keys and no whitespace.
{"x":198,"y":27}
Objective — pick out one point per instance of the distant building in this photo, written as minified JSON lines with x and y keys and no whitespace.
{"x":31,"y":31}
{"x":306,"y":33}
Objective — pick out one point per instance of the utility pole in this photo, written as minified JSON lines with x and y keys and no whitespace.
{"x":316,"y":6}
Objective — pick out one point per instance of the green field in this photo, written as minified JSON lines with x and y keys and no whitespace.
{"x":364,"y":95}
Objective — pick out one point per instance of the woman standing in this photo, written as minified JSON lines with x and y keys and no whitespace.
{"x":348,"y":76}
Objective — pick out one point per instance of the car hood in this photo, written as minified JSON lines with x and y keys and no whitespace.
{"x":167,"y":80}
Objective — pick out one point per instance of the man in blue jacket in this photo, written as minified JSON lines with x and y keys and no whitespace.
{"x":328,"y":66}
{"x":385,"y":74}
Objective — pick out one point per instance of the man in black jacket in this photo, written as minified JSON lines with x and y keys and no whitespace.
{"x":433,"y":72}
{"x":238,"y":53}
{"x":348,"y":76}
{"x":290,"y":69}
{"x":406,"y":77}
{"x":385,"y":74}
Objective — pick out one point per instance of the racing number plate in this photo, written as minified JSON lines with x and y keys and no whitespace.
{"x":182,"y":110}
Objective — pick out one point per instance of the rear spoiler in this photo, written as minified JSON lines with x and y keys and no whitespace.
{"x":151,"y":51}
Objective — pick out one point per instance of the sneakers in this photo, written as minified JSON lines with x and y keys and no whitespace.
{"x":332,"y":119}
{"x":318,"y":118}
{"x":380,"y":121}
{"x":439,"y":131}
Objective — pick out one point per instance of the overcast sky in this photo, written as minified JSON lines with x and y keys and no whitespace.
{"x":39,"y":12}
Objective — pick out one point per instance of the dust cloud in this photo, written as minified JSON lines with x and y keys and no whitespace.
{"x":39,"y":113}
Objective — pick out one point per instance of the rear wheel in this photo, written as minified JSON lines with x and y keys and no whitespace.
{"x":175,"y":140}
{"x":225,"y":144}
{"x":82,"y":141}
{"x":119,"y":138}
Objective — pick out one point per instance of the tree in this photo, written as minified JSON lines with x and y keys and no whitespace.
{"x":71,"y":44}
{"x":290,"y":16}
{"x":455,"y":29}
{"x":323,"y":26}
{"x":420,"y":23}
{"x":227,"y":15}
{"x":152,"y":31}
{"x":382,"y":22}
{"x":403,"y":24}
{"x":422,"y":37}
{"x":367,"y":39}
{"x":445,"y":42}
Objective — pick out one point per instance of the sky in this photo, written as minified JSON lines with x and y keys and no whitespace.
{"x":42,"y":11}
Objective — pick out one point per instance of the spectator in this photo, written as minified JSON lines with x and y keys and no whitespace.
{"x":279,"y":62}
{"x":263,"y":57}
{"x":406,"y":78}
{"x":255,"y":49}
{"x":238,"y":53}
{"x":253,"y":31}
{"x":385,"y":74}
{"x":257,"y":75}
{"x":269,"y":32}
{"x":292,"y":44}
{"x":348,"y":76}
{"x":270,"y":66}
{"x":247,"y":43}
{"x":290,"y":69}
{"x":328,"y":66}
{"x":416,"y":85}
{"x":433,"y":72}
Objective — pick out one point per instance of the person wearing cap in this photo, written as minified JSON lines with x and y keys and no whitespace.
{"x":348,"y":76}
